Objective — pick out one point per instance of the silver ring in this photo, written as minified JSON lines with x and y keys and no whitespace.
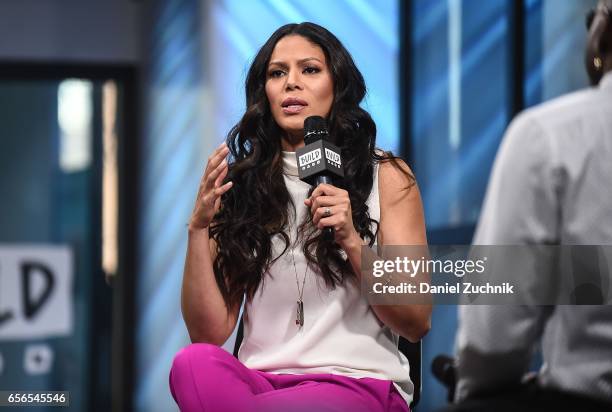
{"x":327,"y":212}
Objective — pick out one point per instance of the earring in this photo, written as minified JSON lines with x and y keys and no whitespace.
{"x":597,"y":63}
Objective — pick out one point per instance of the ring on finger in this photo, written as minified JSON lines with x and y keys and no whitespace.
{"x":327,"y":212}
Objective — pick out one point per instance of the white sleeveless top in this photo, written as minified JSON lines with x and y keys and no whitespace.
{"x":341,"y":334}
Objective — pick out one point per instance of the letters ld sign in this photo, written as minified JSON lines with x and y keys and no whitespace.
{"x":36,"y":299}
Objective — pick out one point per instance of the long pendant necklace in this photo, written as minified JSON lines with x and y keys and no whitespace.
{"x":299,"y":318}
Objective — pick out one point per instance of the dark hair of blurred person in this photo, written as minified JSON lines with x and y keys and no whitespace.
{"x":598,"y":55}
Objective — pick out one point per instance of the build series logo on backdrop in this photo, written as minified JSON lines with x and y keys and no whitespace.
{"x":36,"y":303}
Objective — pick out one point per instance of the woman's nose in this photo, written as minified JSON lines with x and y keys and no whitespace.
{"x":293,"y":80}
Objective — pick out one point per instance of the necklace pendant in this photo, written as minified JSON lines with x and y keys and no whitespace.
{"x":299,"y":320}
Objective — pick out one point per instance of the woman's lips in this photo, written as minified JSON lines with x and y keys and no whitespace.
{"x":293,"y":105}
{"x":293,"y":109}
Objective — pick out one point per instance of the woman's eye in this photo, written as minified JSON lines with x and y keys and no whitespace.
{"x":276,"y":73}
{"x":311,"y":70}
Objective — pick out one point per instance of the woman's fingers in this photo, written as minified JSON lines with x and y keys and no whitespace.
{"x":212,"y":177}
{"x":221,"y":176}
{"x":218,"y":189}
{"x":216,"y":158}
{"x":323,"y":214}
{"x":330,"y":206}
{"x":320,"y":202}
{"x":324,"y":200}
{"x":210,"y":198}
{"x":211,"y":188}
{"x":215,"y":179}
{"x":333,"y":221}
{"x":315,"y":203}
{"x":222,"y":189}
{"x":325,"y":189}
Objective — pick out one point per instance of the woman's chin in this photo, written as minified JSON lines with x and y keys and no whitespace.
{"x":294,"y":130}
{"x":293,"y":125}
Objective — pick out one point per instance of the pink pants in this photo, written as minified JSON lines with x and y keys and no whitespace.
{"x":207,"y":378}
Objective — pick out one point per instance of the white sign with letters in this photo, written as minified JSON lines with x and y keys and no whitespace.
{"x":35,"y":291}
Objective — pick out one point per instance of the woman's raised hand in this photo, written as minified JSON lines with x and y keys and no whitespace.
{"x":208,"y":201}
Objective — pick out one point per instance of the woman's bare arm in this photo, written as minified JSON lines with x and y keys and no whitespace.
{"x":401,"y":223}
{"x":204,"y":310}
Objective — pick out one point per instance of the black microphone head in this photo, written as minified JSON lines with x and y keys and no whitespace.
{"x":315,"y":128}
{"x":443,"y":368}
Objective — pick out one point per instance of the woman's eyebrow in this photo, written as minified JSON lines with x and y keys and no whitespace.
{"x":283,"y":64}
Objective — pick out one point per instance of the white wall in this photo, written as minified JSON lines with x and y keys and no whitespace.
{"x":106,"y":31}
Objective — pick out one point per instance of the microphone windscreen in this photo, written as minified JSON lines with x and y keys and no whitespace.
{"x":315,"y":128}
{"x":442,"y":368}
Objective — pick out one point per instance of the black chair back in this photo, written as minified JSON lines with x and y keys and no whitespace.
{"x":412,"y":351}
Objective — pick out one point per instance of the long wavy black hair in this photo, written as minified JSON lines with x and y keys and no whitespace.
{"x":256,"y":208}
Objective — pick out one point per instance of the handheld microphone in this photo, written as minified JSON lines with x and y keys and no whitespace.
{"x":318,"y":161}
{"x":444,"y":369}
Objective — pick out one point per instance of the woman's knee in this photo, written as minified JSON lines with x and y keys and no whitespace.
{"x":201,"y":353}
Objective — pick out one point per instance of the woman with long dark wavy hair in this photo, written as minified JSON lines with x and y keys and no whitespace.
{"x":256,"y":234}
